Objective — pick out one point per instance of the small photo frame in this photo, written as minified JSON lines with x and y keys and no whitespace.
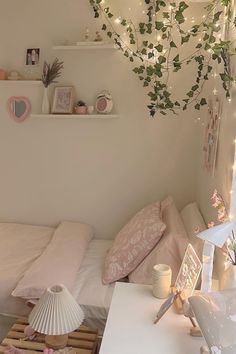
{"x":63,"y":100}
{"x":32,"y":56}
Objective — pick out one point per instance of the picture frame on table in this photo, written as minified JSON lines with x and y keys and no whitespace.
{"x":63,"y":100}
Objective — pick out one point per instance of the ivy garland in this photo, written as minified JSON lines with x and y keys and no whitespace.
{"x":155,"y":51}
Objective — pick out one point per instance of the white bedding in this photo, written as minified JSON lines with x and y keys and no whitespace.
{"x":90,"y":293}
{"x":21,"y":245}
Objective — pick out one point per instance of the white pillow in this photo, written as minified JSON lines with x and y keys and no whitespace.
{"x":194,"y":223}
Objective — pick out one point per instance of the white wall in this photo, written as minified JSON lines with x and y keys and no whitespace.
{"x":99,"y":172}
{"x":222,"y":179}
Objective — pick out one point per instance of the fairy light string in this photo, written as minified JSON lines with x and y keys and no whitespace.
{"x":153,"y":48}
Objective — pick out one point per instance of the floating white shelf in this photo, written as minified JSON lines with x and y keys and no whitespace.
{"x":85,"y":46}
{"x":20,"y":82}
{"x":77,"y":116}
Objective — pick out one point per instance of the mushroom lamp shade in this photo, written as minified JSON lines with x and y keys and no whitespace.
{"x":214,"y":236}
{"x":217,"y":235}
{"x":56,"y":314}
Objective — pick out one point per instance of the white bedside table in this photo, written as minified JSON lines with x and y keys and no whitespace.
{"x":130,"y":328}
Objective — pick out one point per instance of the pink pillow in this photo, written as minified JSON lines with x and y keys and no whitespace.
{"x":133,"y":243}
{"x":170,"y":250}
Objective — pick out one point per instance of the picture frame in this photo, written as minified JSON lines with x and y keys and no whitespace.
{"x":189,"y":272}
{"x":32,"y":56}
{"x":63,"y":100}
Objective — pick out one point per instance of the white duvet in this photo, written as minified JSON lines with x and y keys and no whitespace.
{"x":20,"y":246}
{"x":23,"y":249}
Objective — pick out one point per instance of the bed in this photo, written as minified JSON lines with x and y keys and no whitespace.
{"x":80,"y":262}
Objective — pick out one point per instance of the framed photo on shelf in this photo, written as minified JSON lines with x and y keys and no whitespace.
{"x":63,"y":100}
{"x":32,"y":56}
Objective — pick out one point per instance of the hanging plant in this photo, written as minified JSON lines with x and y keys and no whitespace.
{"x":153,"y":47}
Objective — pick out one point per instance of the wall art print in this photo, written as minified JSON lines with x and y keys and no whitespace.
{"x":212,"y":134}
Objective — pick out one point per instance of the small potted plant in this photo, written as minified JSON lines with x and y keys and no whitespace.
{"x":81,"y":108}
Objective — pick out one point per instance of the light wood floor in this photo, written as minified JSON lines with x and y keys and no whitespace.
{"x":5,"y":325}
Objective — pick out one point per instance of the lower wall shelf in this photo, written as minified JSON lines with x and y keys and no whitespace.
{"x":77,"y":116}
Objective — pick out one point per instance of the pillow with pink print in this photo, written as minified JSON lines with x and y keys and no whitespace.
{"x":170,"y":250}
{"x":133,"y":243}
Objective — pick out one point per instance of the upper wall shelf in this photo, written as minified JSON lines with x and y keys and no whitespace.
{"x":76,"y":116}
{"x":20,"y":82}
{"x":86,"y":46}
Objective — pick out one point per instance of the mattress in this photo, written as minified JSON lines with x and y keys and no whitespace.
{"x":90,"y":293}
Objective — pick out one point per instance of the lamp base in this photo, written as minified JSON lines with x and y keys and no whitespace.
{"x":56,"y":342}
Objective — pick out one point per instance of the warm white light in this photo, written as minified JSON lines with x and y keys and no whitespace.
{"x":215,"y":91}
{"x":158,"y":38}
{"x":117,"y":20}
{"x":229,"y":99}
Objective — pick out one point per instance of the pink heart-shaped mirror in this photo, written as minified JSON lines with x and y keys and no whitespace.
{"x":19,"y":108}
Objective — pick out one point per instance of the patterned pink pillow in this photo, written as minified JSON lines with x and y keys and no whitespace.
{"x":133,"y":243}
{"x":170,"y":250}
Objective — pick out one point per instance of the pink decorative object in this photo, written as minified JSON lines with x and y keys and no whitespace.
{"x":13,"y":350}
{"x":3,"y":74}
{"x":133,"y":243}
{"x":19,"y":108}
{"x":81,"y":109}
{"x":29,"y":332}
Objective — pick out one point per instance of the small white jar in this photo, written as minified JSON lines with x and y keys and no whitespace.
{"x":161,"y":280}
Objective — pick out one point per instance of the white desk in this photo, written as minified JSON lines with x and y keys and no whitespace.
{"x":130,"y":328}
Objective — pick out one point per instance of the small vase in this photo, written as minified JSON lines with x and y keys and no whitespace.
{"x":228,"y":278}
{"x":45,"y":103}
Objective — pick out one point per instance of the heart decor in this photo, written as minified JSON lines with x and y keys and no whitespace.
{"x":19,"y":108}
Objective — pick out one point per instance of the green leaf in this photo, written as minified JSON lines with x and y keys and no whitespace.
{"x":162,"y":59}
{"x":159,"y":48}
{"x":195,"y":87}
{"x":104,"y":27}
{"x":145,"y":43}
{"x":176,"y":58}
{"x":203,"y":102}
{"x":197,"y":106}
{"x":109,"y":34}
{"x":172,"y":44}
{"x":159,"y":25}
{"x":190,"y":94}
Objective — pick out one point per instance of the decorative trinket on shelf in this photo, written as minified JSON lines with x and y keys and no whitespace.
{"x":50,"y":73}
{"x":86,"y":36}
{"x":104,"y":102}
{"x":98,"y":37}
{"x":14,"y":75}
{"x":81,"y":108}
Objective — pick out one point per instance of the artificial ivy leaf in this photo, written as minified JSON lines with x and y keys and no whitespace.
{"x":159,"y":48}
{"x":176,"y":58}
{"x":166,"y":15}
{"x":110,"y":15}
{"x":203,"y":102}
{"x":158,"y":25}
{"x":131,"y":59}
{"x":162,"y":59}
{"x":199,"y":45}
{"x":197,"y":106}
{"x":144,"y":51}
{"x":190,"y":94}
{"x":150,"y":46}
{"x":209,"y":68}
{"x":185,"y":39}
{"x":150,"y":55}
{"x":109,"y":34}
{"x":145,"y":43}
{"x":163,"y":113}
{"x":205,"y":37}
{"x":126,"y":53}
{"x":172,"y":44}
{"x":216,"y":16}
{"x":146,"y":83}
{"x":104,"y":27}
{"x":177,"y":103}
{"x":195,"y":87}
{"x":124,"y":22}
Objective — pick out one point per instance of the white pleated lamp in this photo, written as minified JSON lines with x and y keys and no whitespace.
{"x":56,"y":314}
